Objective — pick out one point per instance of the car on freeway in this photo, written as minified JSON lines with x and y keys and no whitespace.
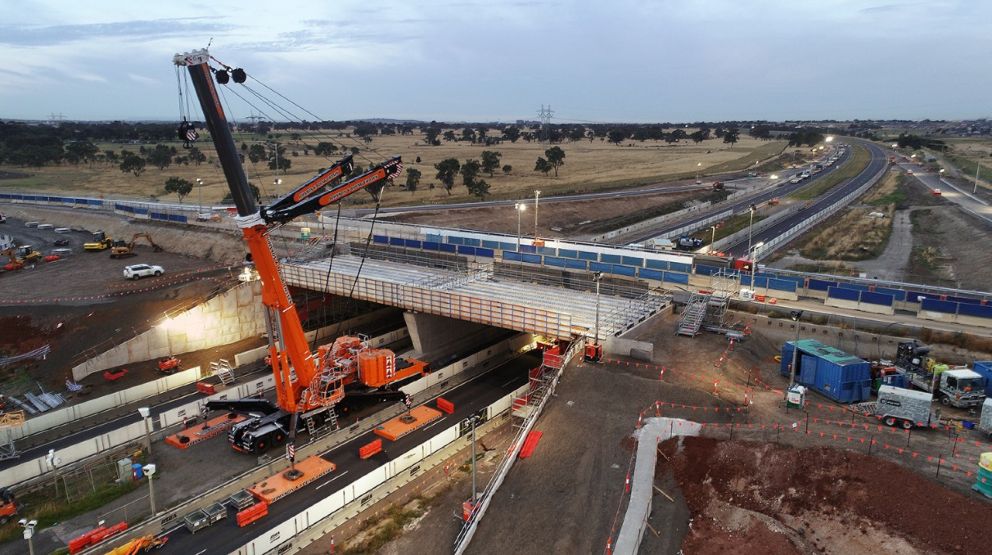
{"x":136,"y":271}
{"x":796,"y":178}
{"x":936,"y":192}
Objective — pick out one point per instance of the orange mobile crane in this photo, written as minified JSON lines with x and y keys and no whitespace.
{"x":306,"y":386}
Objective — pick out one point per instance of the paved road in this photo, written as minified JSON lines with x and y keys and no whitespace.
{"x":225,"y":536}
{"x":959,"y":195}
{"x":784,"y":188}
{"x":877,"y":162}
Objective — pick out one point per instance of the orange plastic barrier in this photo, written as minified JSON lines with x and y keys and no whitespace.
{"x":759,"y":298}
{"x":202,"y":432}
{"x":253,"y":513}
{"x":370,"y":449}
{"x":530,"y":444}
{"x":95,"y":536}
{"x":403,"y":425}
{"x":445,"y":405}
{"x":277,"y":486}
{"x":205,"y":388}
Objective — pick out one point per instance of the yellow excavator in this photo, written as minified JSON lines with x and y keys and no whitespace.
{"x":138,"y":545}
{"x":120,"y":249}
{"x":100,"y":242}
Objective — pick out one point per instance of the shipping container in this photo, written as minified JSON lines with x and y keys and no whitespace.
{"x":984,"y":367}
{"x":829,"y":371}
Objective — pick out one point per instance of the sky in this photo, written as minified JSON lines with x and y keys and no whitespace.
{"x":592,"y":61}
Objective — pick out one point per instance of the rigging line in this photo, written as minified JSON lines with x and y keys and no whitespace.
{"x":179,"y":87}
{"x":254,"y":170}
{"x":186,"y":83}
{"x":327,"y":276}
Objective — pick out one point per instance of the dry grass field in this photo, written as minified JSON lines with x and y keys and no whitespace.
{"x":589,"y":165}
{"x":966,"y":155}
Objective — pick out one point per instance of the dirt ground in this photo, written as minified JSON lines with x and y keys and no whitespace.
{"x":555,"y":218}
{"x":759,"y":498}
{"x":588,"y":164}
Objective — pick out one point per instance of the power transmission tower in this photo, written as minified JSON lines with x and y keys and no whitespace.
{"x":56,"y":119}
{"x":545,"y":115}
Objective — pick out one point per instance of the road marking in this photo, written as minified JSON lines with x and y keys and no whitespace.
{"x":171,"y":530}
{"x":432,"y":424}
{"x":201,"y":552}
{"x":508,"y":383}
{"x":327,"y":482}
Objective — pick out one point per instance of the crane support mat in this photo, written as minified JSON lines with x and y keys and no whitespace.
{"x":202,"y":432}
{"x":412,"y":421}
{"x":277,"y":486}
{"x":530,"y":444}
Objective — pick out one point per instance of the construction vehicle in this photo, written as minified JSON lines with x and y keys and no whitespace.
{"x":100,"y":242}
{"x":121,"y":249}
{"x":139,"y":545}
{"x":15,"y":263}
{"x":718,"y":185}
{"x":8,"y":505}
{"x":169,"y":365}
{"x":956,"y":387}
{"x":28,"y":254}
{"x":307,"y":387}
{"x":985,"y":419}
{"x":903,"y":407}
{"x":687,"y":243}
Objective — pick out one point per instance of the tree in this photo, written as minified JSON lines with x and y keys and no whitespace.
{"x":283,"y":163}
{"x":449,"y":136}
{"x":132,"y":163}
{"x":446,"y":170}
{"x":507,"y":169}
{"x":730,"y":136}
{"x":431,"y":133}
{"x":616,"y":136}
{"x":470,"y":170}
{"x":325,"y":149}
{"x":490,"y":161}
{"x":81,"y":151}
{"x":468,"y":135}
{"x":180,"y":187}
{"x":412,"y":179}
{"x":110,"y":156}
{"x":511,"y":133}
{"x":478,"y":188}
{"x":160,"y":156}
{"x":697,"y":136}
{"x":257,"y":153}
{"x":577,"y":133}
{"x":542,"y":165}
{"x":556,"y":157}
{"x":761,"y":132}
{"x":196,"y":156}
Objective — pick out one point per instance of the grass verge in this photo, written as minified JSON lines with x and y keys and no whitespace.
{"x":728,"y":227}
{"x":757,"y":155}
{"x":49,"y":512}
{"x":859,"y":161}
{"x":618,"y":222}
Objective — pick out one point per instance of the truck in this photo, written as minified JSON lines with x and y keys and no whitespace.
{"x":687,"y":243}
{"x":955,"y":387}
{"x":903,"y":407}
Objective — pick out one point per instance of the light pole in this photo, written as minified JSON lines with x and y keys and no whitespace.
{"x":474,"y":497}
{"x":754,"y":263}
{"x":977,"y":171}
{"x":520,"y":207}
{"x":199,"y":188}
{"x":597,"y":277}
{"x":699,"y":168}
{"x":275,"y":185}
{"x":28,"y":526}
{"x":712,"y":236}
{"x":537,"y":196}
{"x":749,"y":224}
{"x":145,"y":412}
{"x":795,"y":315}
{"x":149,"y":470}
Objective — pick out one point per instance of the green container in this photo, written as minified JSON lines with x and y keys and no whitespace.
{"x":983,"y":488}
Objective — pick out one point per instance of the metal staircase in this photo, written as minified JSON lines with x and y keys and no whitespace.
{"x":222,"y":369}
{"x":693,"y":315}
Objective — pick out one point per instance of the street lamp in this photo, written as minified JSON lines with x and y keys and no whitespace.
{"x":521,"y":208}
{"x":795,"y":315}
{"x":752,"y":210}
{"x":712,"y":236}
{"x":829,"y":139}
{"x":977,"y":171}
{"x":145,"y":412}
{"x":149,"y":470}
{"x":473,"y":420}
{"x":895,"y":145}
{"x":537,"y":195}
{"x":199,"y":188}
{"x":597,"y":277}
{"x":28,"y":526}
{"x":275,"y":185}
{"x":754,"y":262}
{"x":773,"y":176}
{"x":699,"y":166}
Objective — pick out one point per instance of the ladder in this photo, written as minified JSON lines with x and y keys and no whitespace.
{"x":222,"y":369}
{"x":693,"y":315}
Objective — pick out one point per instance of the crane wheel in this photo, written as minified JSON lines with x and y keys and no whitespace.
{"x":890,"y":421}
{"x":907,"y":425}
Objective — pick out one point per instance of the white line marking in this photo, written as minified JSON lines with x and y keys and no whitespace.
{"x":432,"y":424}
{"x":201,"y":552}
{"x":325,"y":483}
{"x":508,"y":383}
{"x":171,"y":530}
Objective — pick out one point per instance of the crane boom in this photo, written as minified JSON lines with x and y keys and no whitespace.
{"x":288,"y":347}
{"x":338,"y":170}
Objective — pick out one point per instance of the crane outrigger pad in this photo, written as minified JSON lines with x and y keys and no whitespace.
{"x":277,"y":486}
{"x":408,"y":422}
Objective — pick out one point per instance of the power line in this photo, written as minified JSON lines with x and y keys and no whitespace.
{"x":545,"y":115}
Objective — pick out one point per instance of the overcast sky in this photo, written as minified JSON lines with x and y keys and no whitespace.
{"x":591,"y":60}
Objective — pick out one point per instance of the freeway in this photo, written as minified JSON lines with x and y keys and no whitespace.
{"x":784,"y":188}
{"x":877,"y":162}
{"x":225,"y":536}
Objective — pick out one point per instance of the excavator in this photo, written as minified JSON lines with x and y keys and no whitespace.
{"x":100,"y":242}
{"x":308,"y":385}
{"x":121,"y":249}
{"x":18,"y":256}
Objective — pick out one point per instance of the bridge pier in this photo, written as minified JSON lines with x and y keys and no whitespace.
{"x":432,"y":334}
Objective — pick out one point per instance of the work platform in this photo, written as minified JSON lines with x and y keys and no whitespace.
{"x":202,"y":432}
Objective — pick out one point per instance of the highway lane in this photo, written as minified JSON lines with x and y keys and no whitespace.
{"x":877,"y":162}
{"x":225,"y":536}
{"x":783,"y":189}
